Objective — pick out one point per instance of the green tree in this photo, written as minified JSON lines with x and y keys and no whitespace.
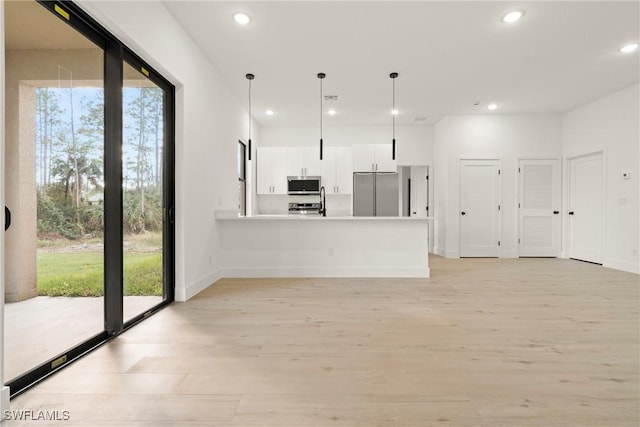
{"x":143,"y":122}
{"x":48,"y":117}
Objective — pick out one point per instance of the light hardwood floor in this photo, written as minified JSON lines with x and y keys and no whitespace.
{"x":483,"y":342}
{"x":40,"y":328}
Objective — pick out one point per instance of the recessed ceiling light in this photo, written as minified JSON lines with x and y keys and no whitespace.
{"x":242,"y":18}
{"x":629,"y":48}
{"x":331,"y":112}
{"x":492,"y":106}
{"x":395,"y":112}
{"x":512,"y":17}
{"x":269,"y":112}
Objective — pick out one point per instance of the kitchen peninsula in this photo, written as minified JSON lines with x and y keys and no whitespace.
{"x":316,"y":246}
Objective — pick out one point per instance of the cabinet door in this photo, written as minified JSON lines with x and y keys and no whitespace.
{"x":295,"y":161}
{"x":344,"y":170}
{"x":329,"y":170}
{"x":279,"y":170}
{"x":383,"y":158}
{"x":312,"y":162}
{"x":263,"y":170}
{"x":363,"y":157}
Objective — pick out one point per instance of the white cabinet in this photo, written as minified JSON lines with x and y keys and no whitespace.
{"x":304,"y":161}
{"x":373,"y":158}
{"x":363,"y":157}
{"x":271,"y":170}
{"x":337,"y":170}
{"x":383,"y":158}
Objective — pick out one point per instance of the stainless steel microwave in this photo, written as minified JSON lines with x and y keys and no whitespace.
{"x":303,"y":185}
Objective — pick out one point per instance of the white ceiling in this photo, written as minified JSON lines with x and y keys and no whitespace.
{"x":28,"y":25}
{"x":448,"y":55}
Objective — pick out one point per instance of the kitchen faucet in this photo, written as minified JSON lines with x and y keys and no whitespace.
{"x":323,"y":201}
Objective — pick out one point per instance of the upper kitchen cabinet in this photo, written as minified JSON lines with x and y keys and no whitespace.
{"x":373,"y":158}
{"x":337,"y":170}
{"x":304,"y":161}
{"x":271,"y":170}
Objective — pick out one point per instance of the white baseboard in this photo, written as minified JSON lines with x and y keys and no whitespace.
{"x":509,"y":254}
{"x":452,"y":254}
{"x":622,"y":265}
{"x":438,"y":251}
{"x":185,"y":294}
{"x":327,"y":272}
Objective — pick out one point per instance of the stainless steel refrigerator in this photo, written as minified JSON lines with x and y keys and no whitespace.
{"x":375,"y":194}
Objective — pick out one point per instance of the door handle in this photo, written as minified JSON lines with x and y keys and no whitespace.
{"x":570,"y":212}
{"x":7,"y":218}
{"x":463,"y":213}
{"x":556,"y":212}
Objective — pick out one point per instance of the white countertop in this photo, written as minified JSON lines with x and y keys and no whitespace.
{"x":227,"y":215}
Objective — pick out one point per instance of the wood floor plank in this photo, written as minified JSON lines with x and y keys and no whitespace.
{"x":483,"y":342}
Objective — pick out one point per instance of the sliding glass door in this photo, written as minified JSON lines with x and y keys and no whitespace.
{"x":143,"y":103}
{"x":89,"y":182}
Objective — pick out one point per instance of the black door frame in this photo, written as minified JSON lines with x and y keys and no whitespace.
{"x":115,"y":54}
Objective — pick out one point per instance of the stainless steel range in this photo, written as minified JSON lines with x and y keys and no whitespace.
{"x":304,"y":208}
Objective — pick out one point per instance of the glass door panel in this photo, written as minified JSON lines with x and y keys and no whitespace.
{"x":142,"y":188}
{"x":54,"y":187}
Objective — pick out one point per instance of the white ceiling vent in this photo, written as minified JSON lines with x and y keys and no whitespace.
{"x":331,"y":98}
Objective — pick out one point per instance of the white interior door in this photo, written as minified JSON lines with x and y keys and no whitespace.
{"x":539,"y":208}
{"x":479,"y":208}
{"x":586,"y":208}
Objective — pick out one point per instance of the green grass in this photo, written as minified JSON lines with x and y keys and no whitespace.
{"x":81,"y":274}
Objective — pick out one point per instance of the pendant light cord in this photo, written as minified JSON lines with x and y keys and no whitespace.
{"x":321,"y":76}
{"x":393,"y":114}
{"x":393,"y":111}
{"x":250,"y":77}
{"x":321,"y":108}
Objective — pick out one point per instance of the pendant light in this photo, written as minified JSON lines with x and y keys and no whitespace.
{"x":321,"y":76}
{"x":393,"y":115}
{"x":250,"y":77}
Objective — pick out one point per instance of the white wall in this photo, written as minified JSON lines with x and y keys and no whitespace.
{"x":506,"y":137}
{"x":611,"y":125}
{"x":441,"y":185}
{"x":209,"y":122}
